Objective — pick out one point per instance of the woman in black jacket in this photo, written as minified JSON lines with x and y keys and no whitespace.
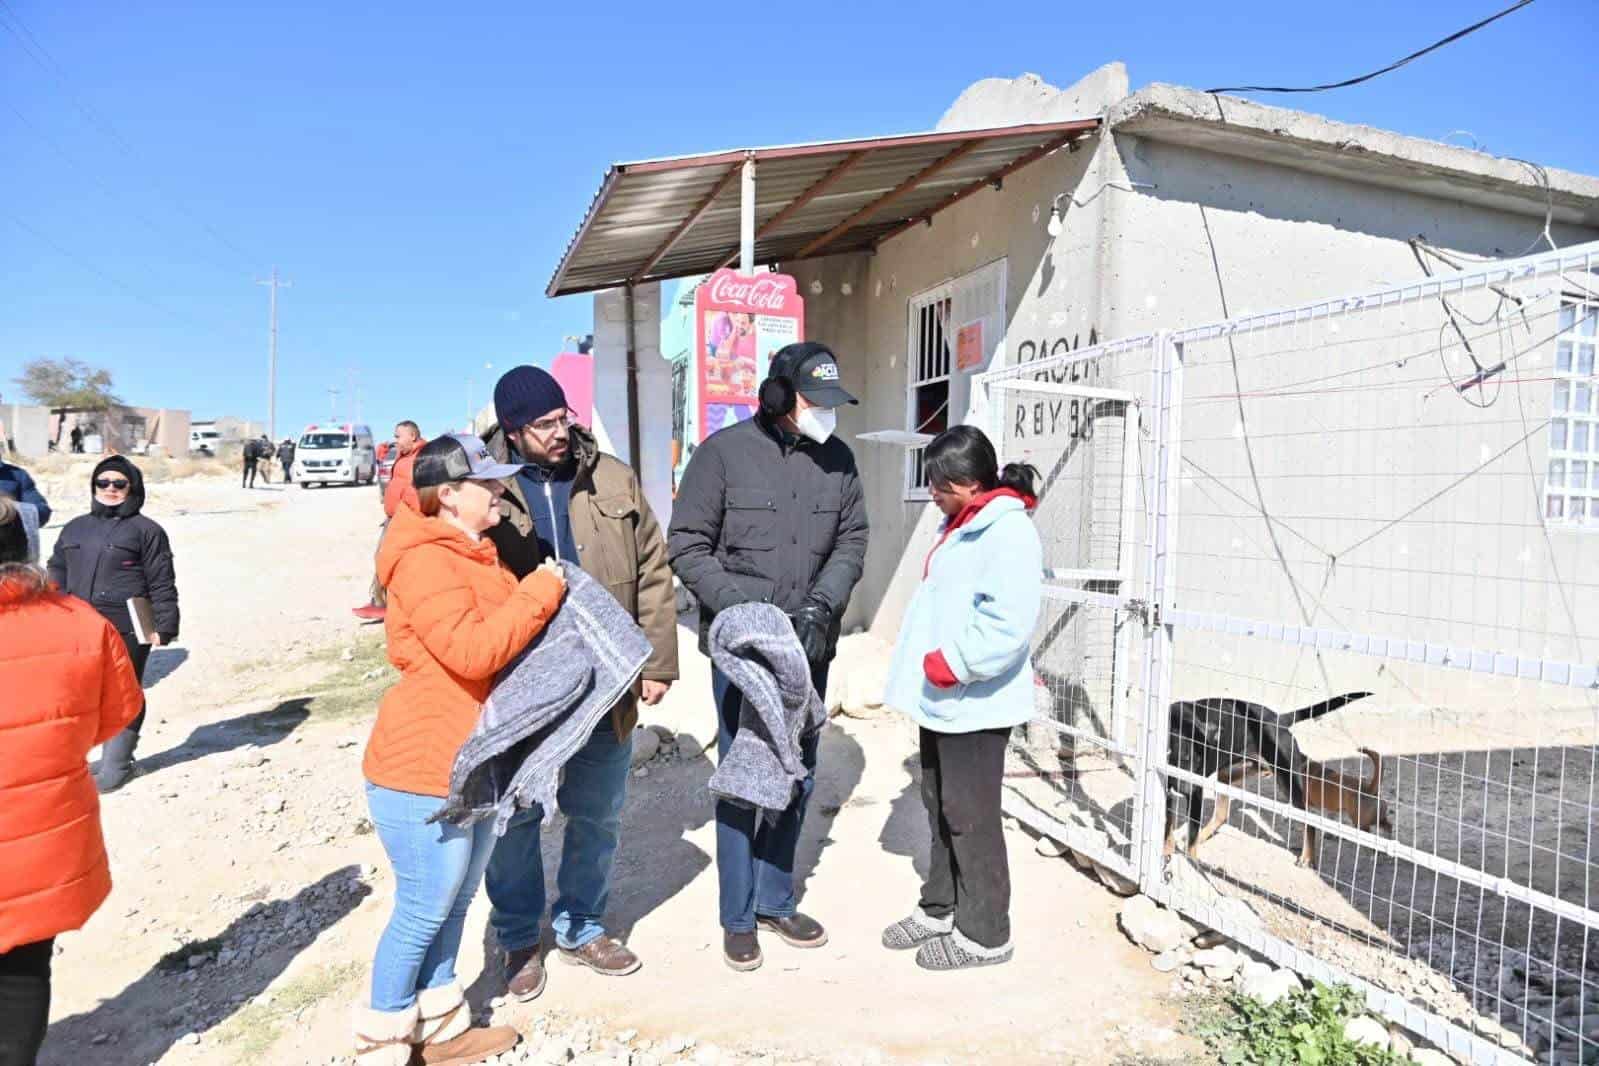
{"x":107,"y":557}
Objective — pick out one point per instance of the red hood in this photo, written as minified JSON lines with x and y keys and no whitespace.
{"x":971,"y":510}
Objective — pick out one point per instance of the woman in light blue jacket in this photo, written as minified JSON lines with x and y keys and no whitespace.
{"x":962,"y":669}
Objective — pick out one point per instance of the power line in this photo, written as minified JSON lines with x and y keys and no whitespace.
{"x":1390,"y":68}
{"x":100,"y":183}
{"x":36,"y":51}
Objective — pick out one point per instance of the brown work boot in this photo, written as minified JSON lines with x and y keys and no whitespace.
{"x":741,"y":951}
{"x":524,"y":973}
{"x":604,"y":955}
{"x":797,"y":930}
{"x":444,"y":1034}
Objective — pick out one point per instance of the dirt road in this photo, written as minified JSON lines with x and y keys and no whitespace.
{"x":250,"y":889}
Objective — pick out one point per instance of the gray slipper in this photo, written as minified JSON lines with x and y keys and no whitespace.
{"x":955,"y":952}
{"x":914,"y":931}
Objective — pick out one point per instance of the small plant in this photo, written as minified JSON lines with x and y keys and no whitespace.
{"x":1305,"y":1028}
{"x":252,"y":1031}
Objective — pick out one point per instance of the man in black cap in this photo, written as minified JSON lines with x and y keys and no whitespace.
{"x":770,"y":510}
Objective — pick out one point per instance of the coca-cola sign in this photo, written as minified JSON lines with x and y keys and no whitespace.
{"x":739,"y":321}
{"x":767,"y":293}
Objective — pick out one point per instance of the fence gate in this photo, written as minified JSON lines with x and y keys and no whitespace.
{"x":1391,"y":498}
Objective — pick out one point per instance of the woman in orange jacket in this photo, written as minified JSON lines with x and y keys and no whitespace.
{"x":456,"y":617}
{"x":68,"y":685}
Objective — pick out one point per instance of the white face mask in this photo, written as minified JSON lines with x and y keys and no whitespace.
{"x":817,"y":423}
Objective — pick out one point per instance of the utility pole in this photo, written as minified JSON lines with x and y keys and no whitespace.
{"x":333,"y":403}
{"x":274,"y":283}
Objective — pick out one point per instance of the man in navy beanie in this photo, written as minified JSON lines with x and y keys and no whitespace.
{"x":573,"y":503}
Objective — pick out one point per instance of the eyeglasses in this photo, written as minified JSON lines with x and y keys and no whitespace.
{"x":545,"y":426}
{"x":111,"y":483}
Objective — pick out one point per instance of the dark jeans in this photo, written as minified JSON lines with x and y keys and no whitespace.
{"x":140,"y":654}
{"x":288,"y":475}
{"x":24,"y":1001}
{"x":755,"y":862}
{"x":968,"y":873}
{"x":249,"y":474}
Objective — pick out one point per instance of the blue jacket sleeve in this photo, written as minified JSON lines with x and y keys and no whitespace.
{"x":999,"y":633}
{"x":28,"y":492}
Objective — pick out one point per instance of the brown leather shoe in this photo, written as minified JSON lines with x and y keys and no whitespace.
{"x":472,"y":1046}
{"x":604,"y":955}
{"x":524,"y":973}
{"x":741,"y":951}
{"x":797,"y":930}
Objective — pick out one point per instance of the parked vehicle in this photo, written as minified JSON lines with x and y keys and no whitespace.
{"x":204,"y":442}
{"x":335,"y":454}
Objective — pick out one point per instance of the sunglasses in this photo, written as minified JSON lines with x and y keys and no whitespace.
{"x":117,"y":483}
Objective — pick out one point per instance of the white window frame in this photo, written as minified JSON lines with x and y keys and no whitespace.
{"x":915,"y":379}
{"x":1574,"y":421}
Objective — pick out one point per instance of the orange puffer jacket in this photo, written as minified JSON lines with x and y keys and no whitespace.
{"x":456,"y":617}
{"x":68,"y":686}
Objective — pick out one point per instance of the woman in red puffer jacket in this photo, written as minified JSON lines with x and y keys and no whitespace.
{"x":69,"y":685}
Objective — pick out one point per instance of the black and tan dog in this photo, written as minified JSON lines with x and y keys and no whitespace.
{"x":1328,"y":790}
{"x":1217,"y":734}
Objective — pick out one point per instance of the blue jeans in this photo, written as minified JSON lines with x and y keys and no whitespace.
{"x":593,"y":790}
{"x":437,"y":869}
{"x":755,"y":862}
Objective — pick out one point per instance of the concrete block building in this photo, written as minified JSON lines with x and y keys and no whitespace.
{"x":1051,"y":219}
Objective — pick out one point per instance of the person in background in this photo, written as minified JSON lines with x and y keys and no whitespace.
{"x":962,"y":670}
{"x":106,"y":557}
{"x":265,"y":452}
{"x":252,"y":456}
{"x":771,"y":510}
{"x":573,"y":503}
{"x":16,"y":483}
{"x":457,"y":617}
{"x":286,"y":459}
{"x":400,"y":490}
{"x":76,"y":437}
{"x":68,"y":686}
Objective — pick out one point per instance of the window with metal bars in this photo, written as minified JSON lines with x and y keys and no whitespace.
{"x":930,"y":365}
{"x":1571,"y":486}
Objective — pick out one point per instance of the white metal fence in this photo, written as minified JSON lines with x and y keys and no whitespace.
{"x":1395,"y":495}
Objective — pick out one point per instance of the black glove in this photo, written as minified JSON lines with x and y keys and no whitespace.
{"x":811,"y":622}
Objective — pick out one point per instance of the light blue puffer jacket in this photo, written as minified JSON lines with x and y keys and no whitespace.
{"x":978,"y":605}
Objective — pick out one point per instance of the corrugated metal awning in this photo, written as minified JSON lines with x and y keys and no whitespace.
{"x":669,"y":218}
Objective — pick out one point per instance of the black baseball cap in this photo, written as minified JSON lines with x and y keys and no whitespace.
{"x":457,"y":457}
{"x":813,"y":370}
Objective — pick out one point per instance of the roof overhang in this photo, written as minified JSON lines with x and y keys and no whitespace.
{"x":670,"y":218}
{"x":1302,"y":141}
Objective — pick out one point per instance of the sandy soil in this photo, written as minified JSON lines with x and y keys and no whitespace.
{"x":250,"y":889}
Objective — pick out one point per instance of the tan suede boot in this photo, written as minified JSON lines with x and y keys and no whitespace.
{"x":444,"y":1034}
{"x":384,"y":1037}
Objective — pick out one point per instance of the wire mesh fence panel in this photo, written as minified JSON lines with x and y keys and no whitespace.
{"x":1076,"y":419}
{"x":1379,"y":724}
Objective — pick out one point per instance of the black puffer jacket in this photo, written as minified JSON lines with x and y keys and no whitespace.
{"x":112,"y":554}
{"x":766,"y":517}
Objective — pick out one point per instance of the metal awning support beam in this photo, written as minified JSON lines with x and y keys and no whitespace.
{"x":686,"y":225}
{"x":978,"y":186}
{"x":943,"y":163}
{"x":827,"y":181}
{"x":746,"y":218}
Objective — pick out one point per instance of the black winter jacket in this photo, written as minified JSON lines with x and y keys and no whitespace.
{"x":762,"y":516}
{"x":112,"y":554}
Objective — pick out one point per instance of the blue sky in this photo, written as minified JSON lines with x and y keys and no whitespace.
{"x":417,"y":171}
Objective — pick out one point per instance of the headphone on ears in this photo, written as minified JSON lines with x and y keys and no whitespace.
{"x":777,"y":396}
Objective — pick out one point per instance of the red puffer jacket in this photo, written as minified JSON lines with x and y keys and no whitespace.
{"x":68,"y":686}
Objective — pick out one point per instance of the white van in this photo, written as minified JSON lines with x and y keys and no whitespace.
{"x":204,"y":441}
{"x":326,"y":454}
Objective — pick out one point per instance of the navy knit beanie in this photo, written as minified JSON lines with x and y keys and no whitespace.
{"x":526,"y":394}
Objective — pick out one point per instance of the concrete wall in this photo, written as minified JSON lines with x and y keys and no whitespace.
{"x":27,"y":428}
{"x":1129,"y":262}
{"x":654,"y":464}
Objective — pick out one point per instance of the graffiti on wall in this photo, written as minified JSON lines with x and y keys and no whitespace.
{"x":1055,"y":415}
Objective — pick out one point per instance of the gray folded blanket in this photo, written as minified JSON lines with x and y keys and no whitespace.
{"x":753,"y":644}
{"x":545,"y":705}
